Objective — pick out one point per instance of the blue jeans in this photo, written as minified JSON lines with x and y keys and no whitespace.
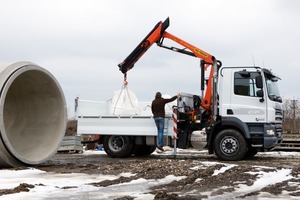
{"x":160,"y":124}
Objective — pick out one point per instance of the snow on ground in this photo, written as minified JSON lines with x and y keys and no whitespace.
{"x":50,"y":185}
{"x":53,"y":186}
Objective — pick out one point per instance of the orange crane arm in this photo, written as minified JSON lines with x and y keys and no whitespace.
{"x":195,"y":51}
{"x":152,"y":37}
{"x":208,"y":61}
{"x":157,"y":35}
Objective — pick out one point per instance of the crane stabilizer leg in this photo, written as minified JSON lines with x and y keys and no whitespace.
{"x":152,"y":37}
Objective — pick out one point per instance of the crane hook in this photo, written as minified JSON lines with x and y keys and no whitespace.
{"x":125,"y":79}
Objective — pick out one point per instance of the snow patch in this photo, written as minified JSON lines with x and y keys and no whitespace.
{"x":76,"y":185}
{"x":222,"y":170}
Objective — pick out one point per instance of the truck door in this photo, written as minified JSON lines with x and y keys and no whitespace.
{"x":247,"y":102}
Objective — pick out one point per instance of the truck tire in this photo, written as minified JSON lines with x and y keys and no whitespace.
{"x":144,"y":150}
{"x":118,"y":146}
{"x":230,"y":144}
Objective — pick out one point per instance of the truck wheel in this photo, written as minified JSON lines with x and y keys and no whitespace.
{"x":118,"y":146}
{"x":230,"y":144}
{"x":144,"y":150}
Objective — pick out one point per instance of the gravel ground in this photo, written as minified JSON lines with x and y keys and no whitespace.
{"x":199,"y":181}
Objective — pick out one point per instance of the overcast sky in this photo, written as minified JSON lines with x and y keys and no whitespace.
{"x":81,"y":42}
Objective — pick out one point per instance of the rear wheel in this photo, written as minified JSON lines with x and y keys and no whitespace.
{"x":118,"y":146}
{"x":230,"y":144}
{"x":144,"y":150}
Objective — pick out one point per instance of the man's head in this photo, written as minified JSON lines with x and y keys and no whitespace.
{"x":158,"y":95}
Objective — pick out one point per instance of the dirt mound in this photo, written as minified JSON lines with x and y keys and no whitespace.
{"x":23,"y":187}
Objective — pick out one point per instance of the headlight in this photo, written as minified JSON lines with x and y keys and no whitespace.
{"x":270,"y":132}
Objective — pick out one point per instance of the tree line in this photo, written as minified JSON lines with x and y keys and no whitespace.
{"x":291,"y":110}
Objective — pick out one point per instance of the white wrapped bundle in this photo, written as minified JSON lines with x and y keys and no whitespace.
{"x":124,"y":103}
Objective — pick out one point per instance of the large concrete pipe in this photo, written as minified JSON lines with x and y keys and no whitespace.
{"x":33,"y":114}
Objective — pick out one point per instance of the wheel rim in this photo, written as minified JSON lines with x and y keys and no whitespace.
{"x":229,"y":145}
{"x":116,"y":143}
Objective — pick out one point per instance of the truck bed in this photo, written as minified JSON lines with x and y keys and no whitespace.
{"x":93,"y":118}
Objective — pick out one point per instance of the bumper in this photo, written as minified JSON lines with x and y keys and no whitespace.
{"x":271,"y":142}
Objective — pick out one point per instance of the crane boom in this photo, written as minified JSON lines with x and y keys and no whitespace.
{"x":153,"y":36}
{"x":208,"y":62}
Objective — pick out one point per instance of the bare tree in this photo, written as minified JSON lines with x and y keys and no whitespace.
{"x":292,"y":115}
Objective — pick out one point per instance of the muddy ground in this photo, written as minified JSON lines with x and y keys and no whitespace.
{"x":198,"y":181}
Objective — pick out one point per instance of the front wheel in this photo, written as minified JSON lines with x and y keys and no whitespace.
{"x":118,"y":146}
{"x":230,"y":144}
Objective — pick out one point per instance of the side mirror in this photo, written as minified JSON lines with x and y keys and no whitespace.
{"x":259,"y":82}
{"x":260,"y":93}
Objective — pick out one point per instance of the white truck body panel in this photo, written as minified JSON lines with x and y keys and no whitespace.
{"x":94,"y":118}
{"x":248,"y":109}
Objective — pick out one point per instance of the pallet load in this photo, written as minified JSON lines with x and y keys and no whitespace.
{"x":71,"y":144}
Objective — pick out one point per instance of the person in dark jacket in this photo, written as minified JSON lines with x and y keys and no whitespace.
{"x":158,"y":110}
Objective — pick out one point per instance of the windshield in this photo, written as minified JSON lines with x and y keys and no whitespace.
{"x":272,"y":88}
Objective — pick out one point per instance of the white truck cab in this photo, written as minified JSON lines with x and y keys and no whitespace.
{"x":248,"y":102}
